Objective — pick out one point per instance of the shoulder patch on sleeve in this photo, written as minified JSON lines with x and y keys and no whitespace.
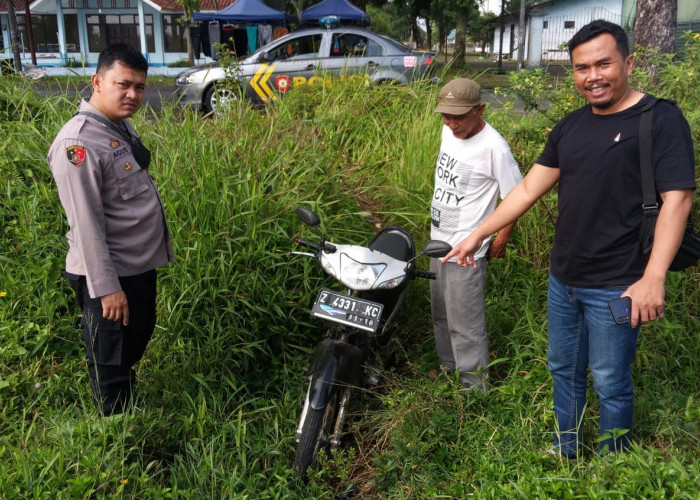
{"x":76,"y":154}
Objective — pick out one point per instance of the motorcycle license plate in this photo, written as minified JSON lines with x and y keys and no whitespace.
{"x":346,"y":310}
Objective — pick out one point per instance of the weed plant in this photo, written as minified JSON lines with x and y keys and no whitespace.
{"x":72,"y":62}
{"x":222,"y":381}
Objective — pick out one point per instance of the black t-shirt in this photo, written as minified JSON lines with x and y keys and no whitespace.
{"x":596,"y":241}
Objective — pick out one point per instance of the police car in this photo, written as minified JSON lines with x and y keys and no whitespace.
{"x":306,"y":57}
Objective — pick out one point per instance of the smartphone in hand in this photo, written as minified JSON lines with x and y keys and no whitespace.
{"x":621,"y":310}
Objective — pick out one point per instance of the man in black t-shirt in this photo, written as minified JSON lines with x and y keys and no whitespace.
{"x":593,"y":153}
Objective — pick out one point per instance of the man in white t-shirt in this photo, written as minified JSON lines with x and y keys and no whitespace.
{"x":474,"y":167}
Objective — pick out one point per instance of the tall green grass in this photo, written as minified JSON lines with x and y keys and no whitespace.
{"x":222,"y":380}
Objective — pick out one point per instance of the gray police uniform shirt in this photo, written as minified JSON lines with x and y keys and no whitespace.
{"x":116,"y":217}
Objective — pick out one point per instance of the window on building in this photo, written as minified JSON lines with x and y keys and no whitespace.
{"x":569,"y":25}
{"x":545,"y":24}
{"x":174,"y":34}
{"x":104,"y":30}
{"x":45,"y":32}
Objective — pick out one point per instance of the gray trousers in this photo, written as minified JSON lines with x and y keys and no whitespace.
{"x":459,"y":320}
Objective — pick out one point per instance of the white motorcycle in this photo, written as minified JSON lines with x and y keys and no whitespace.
{"x":377,"y":278}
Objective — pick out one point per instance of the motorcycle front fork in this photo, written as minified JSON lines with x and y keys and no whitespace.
{"x":304,"y":411}
{"x":339,"y":420}
{"x":334,"y":438}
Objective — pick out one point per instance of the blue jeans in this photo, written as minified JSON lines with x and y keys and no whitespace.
{"x":582,"y":333}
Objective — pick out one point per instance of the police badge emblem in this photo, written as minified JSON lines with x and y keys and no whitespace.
{"x":76,"y":155}
{"x":282,"y":83}
{"x":113,"y":143}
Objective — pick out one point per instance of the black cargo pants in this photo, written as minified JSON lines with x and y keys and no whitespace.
{"x":112,"y":348}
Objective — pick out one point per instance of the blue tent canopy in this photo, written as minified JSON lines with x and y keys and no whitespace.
{"x":344,"y":10}
{"x":252,"y":11}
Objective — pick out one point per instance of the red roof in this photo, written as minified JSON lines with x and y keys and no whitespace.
{"x":204,"y":5}
{"x":20,"y":5}
{"x":167,"y":4}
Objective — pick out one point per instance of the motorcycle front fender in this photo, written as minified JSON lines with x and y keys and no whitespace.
{"x":334,"y":364}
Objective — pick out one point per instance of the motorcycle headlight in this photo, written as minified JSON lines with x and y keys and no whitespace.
{"x":358,"y":275}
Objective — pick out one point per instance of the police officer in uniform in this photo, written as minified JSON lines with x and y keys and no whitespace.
{"x":118,"y":234}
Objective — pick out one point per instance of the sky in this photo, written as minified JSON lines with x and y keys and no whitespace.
{"x":492,"y":6}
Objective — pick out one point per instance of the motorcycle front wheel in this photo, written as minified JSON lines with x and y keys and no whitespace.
{"x":317,"y":432}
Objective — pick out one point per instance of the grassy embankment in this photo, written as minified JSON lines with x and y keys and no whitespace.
{"x":222,"y":380}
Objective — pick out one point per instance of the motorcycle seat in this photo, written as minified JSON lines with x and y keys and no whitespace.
{"x":395,"y":242}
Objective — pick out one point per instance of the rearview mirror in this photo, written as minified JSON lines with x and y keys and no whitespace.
{"x":308,"y":217}
{"x":436,"y":248}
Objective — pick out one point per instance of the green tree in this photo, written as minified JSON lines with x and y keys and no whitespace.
{"x":443,"y":18}
{"x":390,"y":20}
{"x":655,"y":29}
{"x":466,"y":10}
{"x":189,"y":7}
{"x":298,"y":6}
{"x":481,"y":29}
{"x":407,"y":13}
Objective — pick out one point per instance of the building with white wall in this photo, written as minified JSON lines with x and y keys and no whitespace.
{"x":75,"y":31}
{"x":550,"y":25}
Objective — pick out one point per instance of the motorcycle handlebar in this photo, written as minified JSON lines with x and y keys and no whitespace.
{"x":325,"y":246}
{"x":303,"y":242}
{"x":424,"y":274}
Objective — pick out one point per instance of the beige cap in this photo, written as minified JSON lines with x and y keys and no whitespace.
{"x":458,"y":97}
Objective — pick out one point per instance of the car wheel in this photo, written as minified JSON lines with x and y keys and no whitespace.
{"x":217,"y":98}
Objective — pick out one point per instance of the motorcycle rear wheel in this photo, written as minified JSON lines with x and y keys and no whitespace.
{"x":316,"y":433}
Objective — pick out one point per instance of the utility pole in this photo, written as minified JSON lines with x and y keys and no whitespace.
{"x":521,"y":36}
{"x":14,"y":38}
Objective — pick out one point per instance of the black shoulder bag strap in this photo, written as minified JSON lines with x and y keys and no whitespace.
{"x":650,"y":205}
{"x":689,"y":251}
{"x":140,"y":152}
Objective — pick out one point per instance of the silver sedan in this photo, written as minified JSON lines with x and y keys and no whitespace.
{"x":305,"y":58}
